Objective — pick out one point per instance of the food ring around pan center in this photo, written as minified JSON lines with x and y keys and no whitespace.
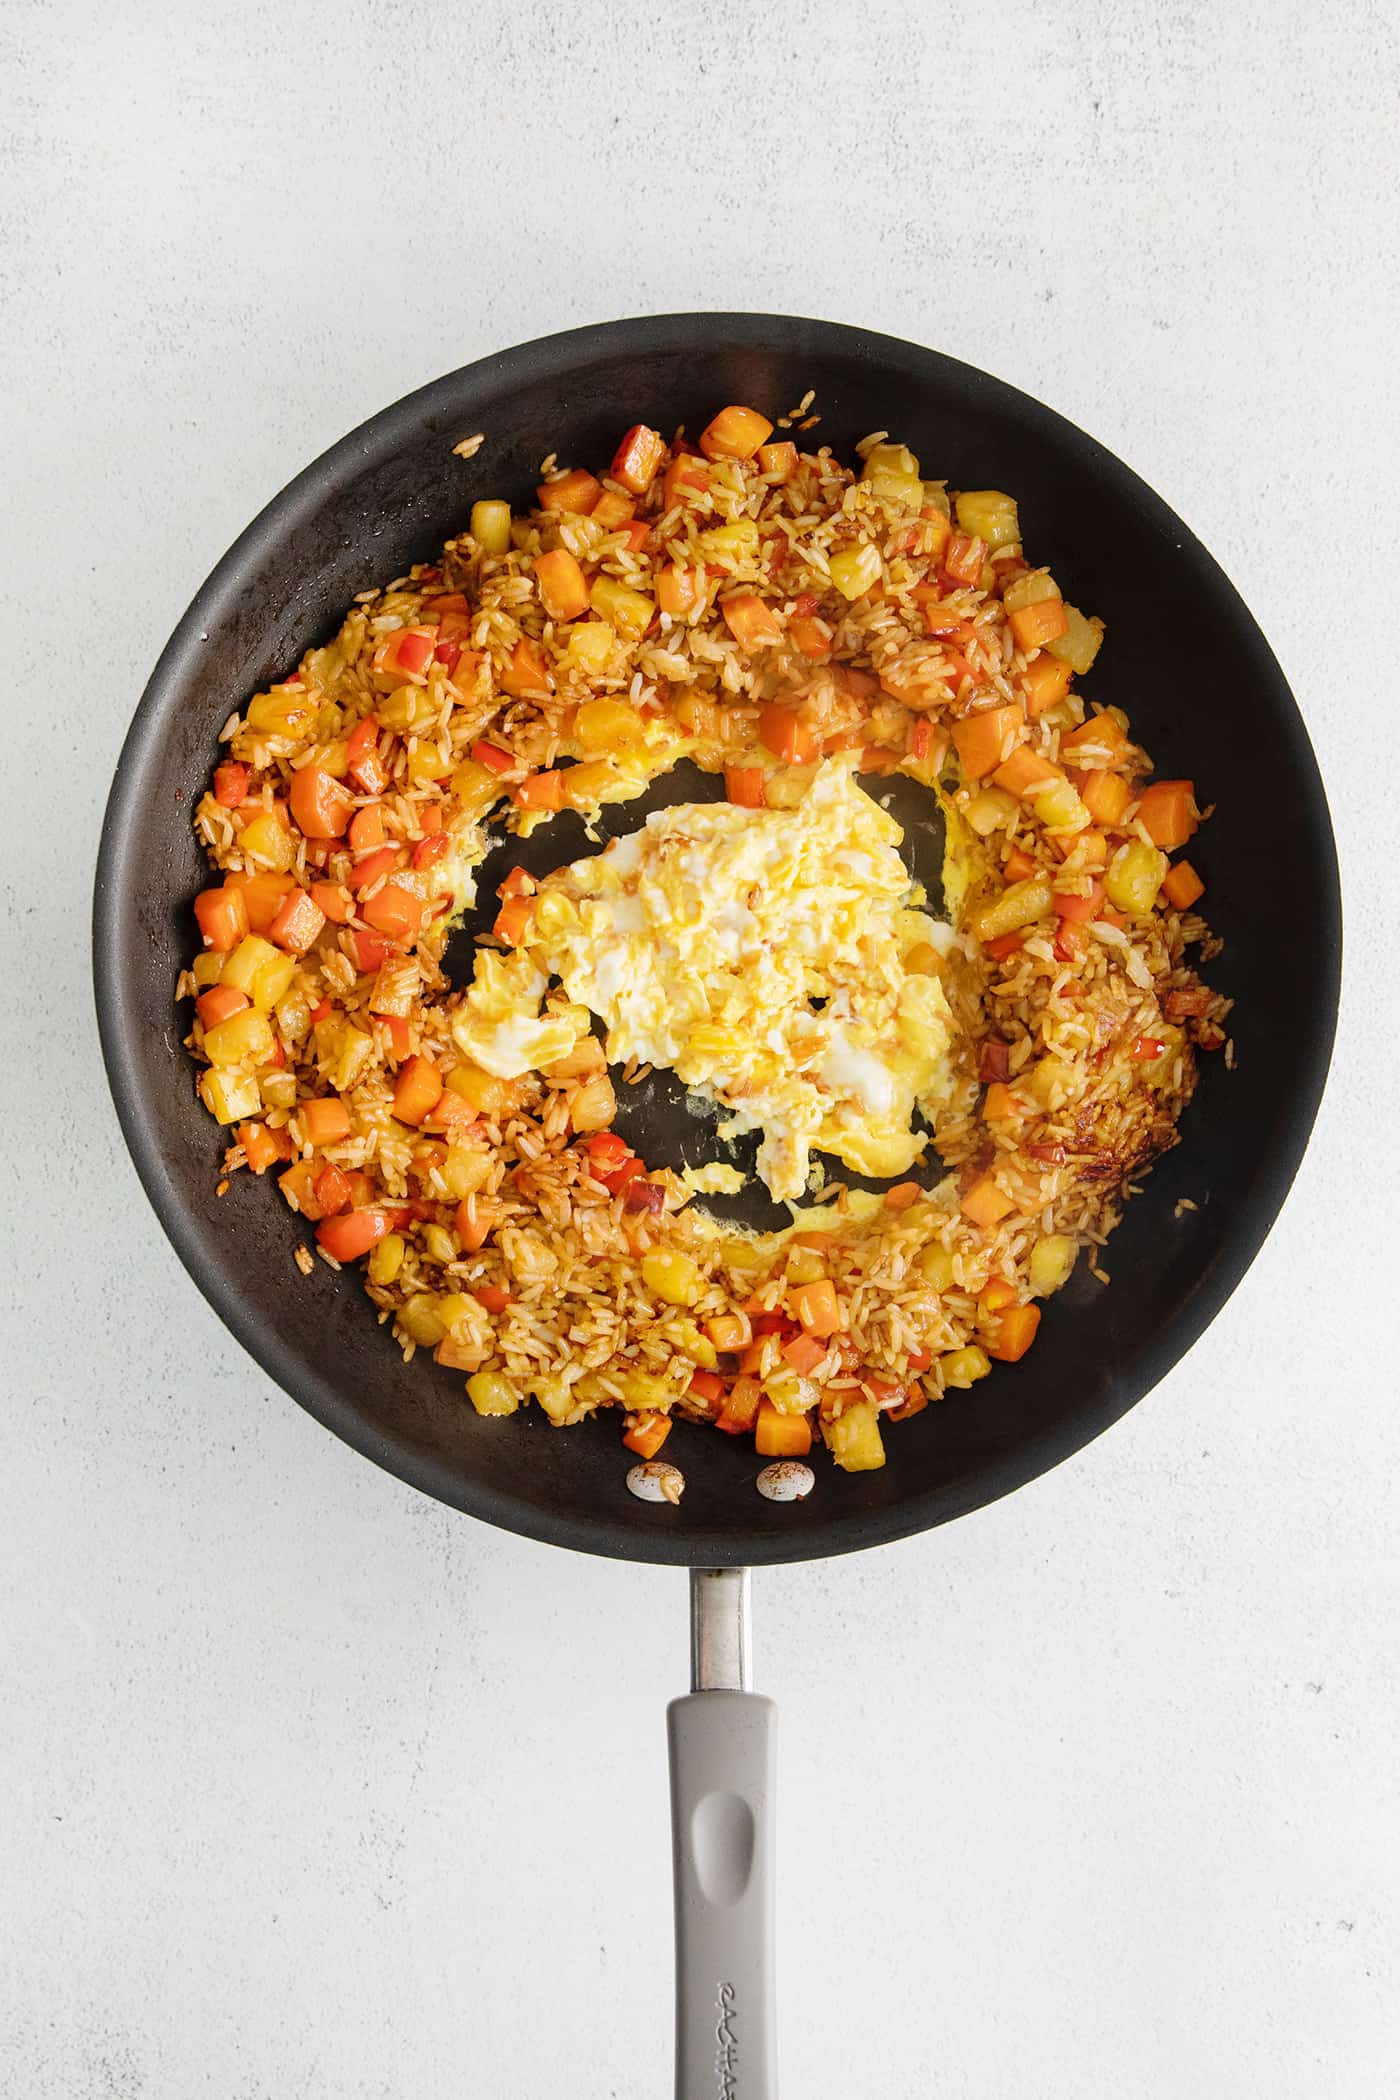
{"x":998,"y":1070}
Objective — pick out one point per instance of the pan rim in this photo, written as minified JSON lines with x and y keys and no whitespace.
{"x":667,"y":1537}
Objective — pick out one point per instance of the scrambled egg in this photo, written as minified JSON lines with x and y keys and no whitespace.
{"x":762,"y":956}
{"x":499,"y":1024}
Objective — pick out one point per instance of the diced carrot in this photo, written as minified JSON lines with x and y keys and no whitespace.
{"x":263,"y":1147}
{"x":326,"y":1120}
{"x":963,"y":557}
{"x":512,"y":920}
{"x":646,"y":1433}
{"x":367,"y":828}
{"x":817,"y":1307}
{"x":613,"y":510}
{"x":1002,"y":945}
{"x":542,"y":790}
{"x":321,"y":1011}
{"x":492,"y":1297}
{"x":1025,"y":773}
{"x":319,"y":803}
{"x":448,"y":653}
{"x":220,"y":1003}
{"x":1015,"y":1333}
{"x":1087,"y":849}
{"x":986,"y":740}
{"x":528,"y":671}
{"x":473,"y":1228}
{"x":637,"y":460}
{"x":298,"y":924}
{"x":995,"y":1297}
{"x":707,"y":1385}
{"x":262,"y":895}
{"x":1018,"y":865}
{"x":1183,"y":886}
{"x":986,"y":1203}
{"x":223,"y":917}
{"x":430,"y":849}
{"x":1035,"y":625}
{"x":1076,"y":908}
{"x":785,"y":735}
{"x":395,"y":911}
{"x":562,"y":584}
{"x":347,"y":1238}
{"x":803,"y":1352}
{"x":679,"y":590}
{"x":1104,"y":795}
{"x":781,"y":1436}
{"x":729,"y":1331}
{"x":999,"y":1104}
{"x":451,"y":1114}
{"x":1103,"y":731}
{"x":744,"y":785}
{"x":298,"y":1185}
{"x":416,"y":1089}
{"x":1168,"y":811}
{"x":741,"y":1406}
{"x":778,"y":462}
{"x":1044,"y":681}
{"x":636,"y":533}
{"x":333,"y":1189}
{"x":684,"y":479}
{"x":373,"y":868}
{"x":333,"y":901}
{"x":813,"y":637}
{"x":576,"y":491}
{"x":902,"y":1195}
{"x":396,"y":1028}
{"x":230,"y":783}
{"x":493,"y":757}
{"x":735,"y":433}
{"x":752,"y":623}
{"x":874,"y":758}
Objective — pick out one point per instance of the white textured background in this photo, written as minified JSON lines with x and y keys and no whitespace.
{"x":308,"y":1787}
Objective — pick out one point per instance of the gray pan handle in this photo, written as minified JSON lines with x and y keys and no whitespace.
{"x":723,"y":1740}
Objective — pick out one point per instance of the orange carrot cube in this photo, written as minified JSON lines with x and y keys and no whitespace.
{"x":735,"y":433}
{"x":417,"y":1089}
{"x":562,"y":584}
{"x":576,"y":492}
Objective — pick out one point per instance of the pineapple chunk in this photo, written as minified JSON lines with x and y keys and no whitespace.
{"x":1080,"y":642}
{"x":990,"y":515}
{"x":854,"y":1439}
{"x":1052,"y":1262}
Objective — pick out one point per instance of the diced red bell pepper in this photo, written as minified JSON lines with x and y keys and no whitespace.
{"x":783,"y":733}
{"x":994,"y":1062}
{"x":1076,"y":909}
{"x":744,"y":785}
{"x":333,"y":1189}
{"x":371,"y":950}
{"x":493,"y":1297}
{"x":642,"y":1195}
{"x":397,"y":1030}
{"x":493,"y":757}
{"x":430,"y":849}
{"x":347,"y":1238}
{"x":707,"y":1385}
{"x":606,"y":1149}
{"x":230,"y":783}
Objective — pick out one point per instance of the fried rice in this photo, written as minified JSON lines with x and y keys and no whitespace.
{"x":761,"y":610}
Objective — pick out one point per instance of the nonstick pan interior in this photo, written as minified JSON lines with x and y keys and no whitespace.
{"x":1183,"y":655}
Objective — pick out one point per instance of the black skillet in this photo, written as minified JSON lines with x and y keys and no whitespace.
{"x":1204,"y":691}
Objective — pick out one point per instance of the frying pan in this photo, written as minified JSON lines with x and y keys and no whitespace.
{"x":1186,"y":659}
